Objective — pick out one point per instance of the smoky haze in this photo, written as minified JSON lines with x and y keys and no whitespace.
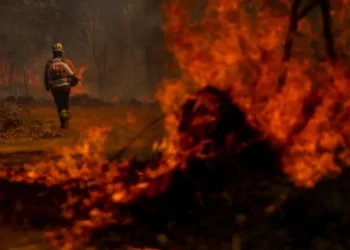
{"x":121,"y":43}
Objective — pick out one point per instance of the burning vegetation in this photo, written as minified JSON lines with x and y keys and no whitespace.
{"x":244,"y":116}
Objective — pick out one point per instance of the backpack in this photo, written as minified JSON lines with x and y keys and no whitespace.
{"x":58,"y":69}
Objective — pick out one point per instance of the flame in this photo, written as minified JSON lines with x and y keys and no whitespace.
{"x":130,"y":119}
{"x":229,"y":50}
{"x":80,"y":88}
{"x":84,"y":166}
{"x":240,"y":53}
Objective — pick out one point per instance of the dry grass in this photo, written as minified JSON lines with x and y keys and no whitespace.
{"x":126,"y":121}
{"x":18,"y":125}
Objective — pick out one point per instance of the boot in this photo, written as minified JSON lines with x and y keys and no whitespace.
{"x":65,"y":124}
{"x":65,"y":117}
{"x":61,"y":122}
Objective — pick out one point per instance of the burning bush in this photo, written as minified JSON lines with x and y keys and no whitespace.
{"x":9,"y":118}
{"x":16,"y":124}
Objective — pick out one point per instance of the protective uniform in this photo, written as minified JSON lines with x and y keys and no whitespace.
{"x":59,"y":77}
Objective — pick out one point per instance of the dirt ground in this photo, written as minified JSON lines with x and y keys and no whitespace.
{"x":125,"y":120}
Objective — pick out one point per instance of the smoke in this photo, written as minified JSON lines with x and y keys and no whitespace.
{"x":121,"y":42}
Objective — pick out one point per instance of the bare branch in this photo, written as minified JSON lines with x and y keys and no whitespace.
{"x":293,"y":26}
{"x":308,"y":8}
{"x":327,"y":29}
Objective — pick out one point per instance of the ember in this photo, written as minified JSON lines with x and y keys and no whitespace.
{"x":80,"y":88}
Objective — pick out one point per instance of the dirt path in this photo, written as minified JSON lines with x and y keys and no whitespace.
{"x":24,"y":152}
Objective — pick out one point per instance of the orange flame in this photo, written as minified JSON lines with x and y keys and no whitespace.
{"x":241,"y":55}
{"x":80,"y":88}
{"x":231,"y":51}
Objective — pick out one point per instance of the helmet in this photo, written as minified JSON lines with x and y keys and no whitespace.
{"x":58,"y":47}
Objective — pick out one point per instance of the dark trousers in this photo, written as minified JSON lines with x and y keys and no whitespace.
{"x":61,"y":98}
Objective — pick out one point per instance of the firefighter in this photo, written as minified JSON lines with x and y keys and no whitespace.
{"x":59,"y":77}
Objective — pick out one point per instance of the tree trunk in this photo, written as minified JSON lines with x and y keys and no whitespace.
{"x":101,"y":83}
{"x":4,"y":73}
{"x":131,"y":44}
{"x":25,"y":81}
{"x":293,"y":26}
{"x":307,"y":8}
{"x":104,"y":65}
{"x":10,"y":79}
{"x":327,"y":29}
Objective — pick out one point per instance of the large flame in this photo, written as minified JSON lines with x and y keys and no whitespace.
{"x":237,"y":52}
{"x":238,"y":49}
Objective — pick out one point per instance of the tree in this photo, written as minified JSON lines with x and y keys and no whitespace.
{"x":24,"y":63}
{"x":155,"y":51}
{"x":22,"y":41}
{"x":27,"y":30}
{"x":23,"y":49}
{"x":7,"y":65}
{"x":295,"y":16}
{"x":96,"y":37}
{"x":6,"y":71}
{"x":141,"y":25}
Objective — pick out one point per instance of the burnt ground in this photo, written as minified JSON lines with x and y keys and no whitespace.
{"x":252,"y":209}
{"x":254,"y":214}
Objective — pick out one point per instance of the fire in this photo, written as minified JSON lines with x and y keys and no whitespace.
{"x":84,"y":167}
{"x":80,"y":89}
{"x":130,"y":119}
{"x":239,"y":52}
{"x":229,"y":50}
